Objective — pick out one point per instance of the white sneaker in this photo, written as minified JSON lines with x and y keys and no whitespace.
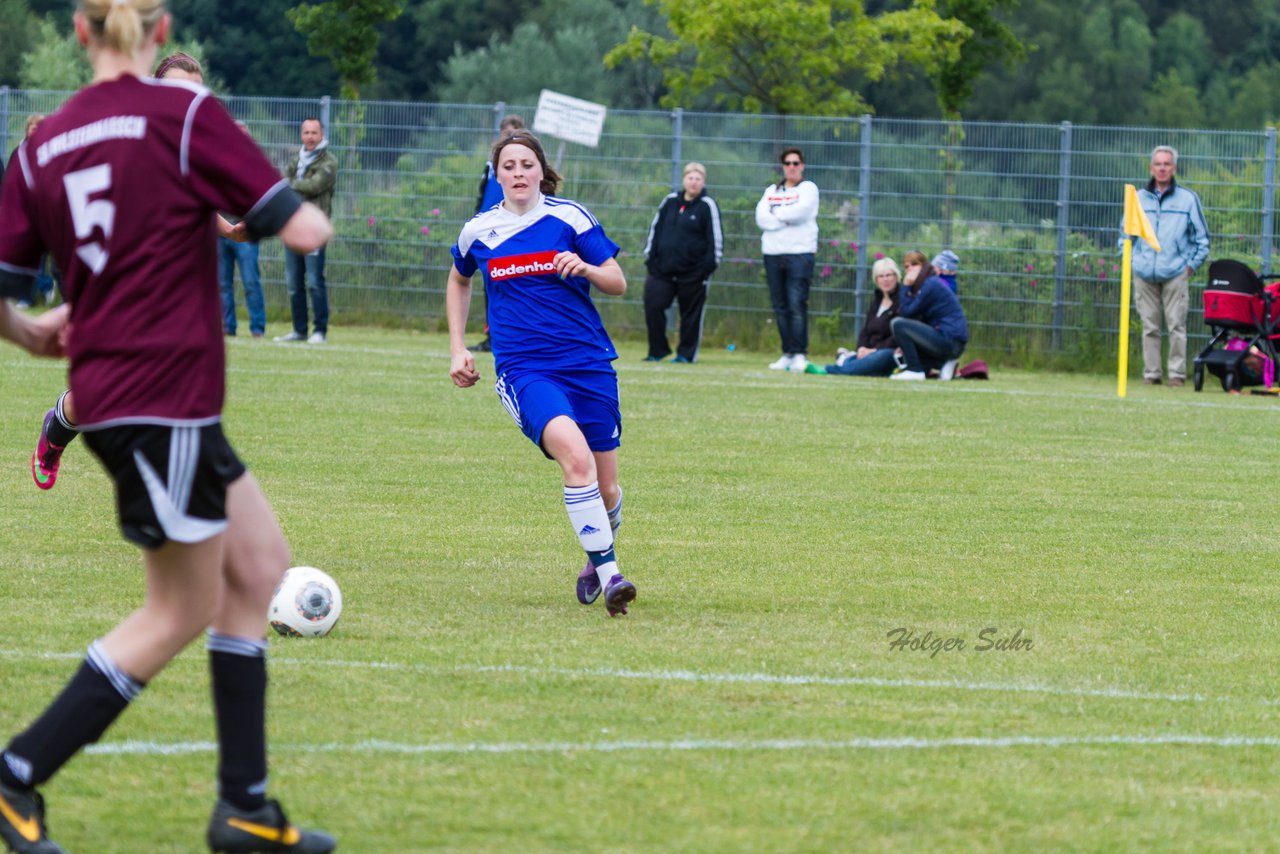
{"x":948,"y":369}
{"x":316,"y":338}
{"x":798,"y":363}
{"x":782,"y":364}
{"x":292,"y":336}
{"x":843,"y":354}
{"x":909,"y":376}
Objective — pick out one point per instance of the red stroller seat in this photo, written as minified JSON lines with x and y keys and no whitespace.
{"x":1236,"y":301}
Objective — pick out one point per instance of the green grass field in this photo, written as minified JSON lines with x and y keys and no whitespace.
{"x":779,"y":528}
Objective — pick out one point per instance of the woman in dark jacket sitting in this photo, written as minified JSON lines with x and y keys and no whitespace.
{"x":876,"y":347}
{"x":930,"y":327}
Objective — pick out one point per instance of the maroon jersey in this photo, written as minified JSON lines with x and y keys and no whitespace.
{"x":121,"y":186}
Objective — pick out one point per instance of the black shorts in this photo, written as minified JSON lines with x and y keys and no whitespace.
{"x":171,"y":481}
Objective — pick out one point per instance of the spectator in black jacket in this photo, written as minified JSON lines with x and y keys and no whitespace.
{"x":683,"y":250}
{"x":876,"y":347}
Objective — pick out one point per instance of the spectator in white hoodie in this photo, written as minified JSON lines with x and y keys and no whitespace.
{"x":787,"y":215}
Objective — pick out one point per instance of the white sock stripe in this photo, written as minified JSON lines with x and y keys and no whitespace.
{"x":126,"y":686}
{"x":248,"y":647}
{"x":578,"y":495}
{"x":19,"y":767}
{"x":152,"y":748}
{"x":60,"y":413}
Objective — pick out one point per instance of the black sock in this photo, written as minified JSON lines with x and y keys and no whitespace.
{"x":61,"y":431}
{"x":90,"y":703}
{"x":239,"y":669}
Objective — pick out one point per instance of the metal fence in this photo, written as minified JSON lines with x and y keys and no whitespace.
{"x":1032,"y":210}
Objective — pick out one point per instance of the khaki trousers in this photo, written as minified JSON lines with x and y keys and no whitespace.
{"x":1150,"y":298}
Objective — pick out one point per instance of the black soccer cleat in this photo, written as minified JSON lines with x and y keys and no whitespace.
{"x":236,"y":831}
{"x":22,"y":822}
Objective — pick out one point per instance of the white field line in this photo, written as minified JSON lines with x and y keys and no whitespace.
{"x":155,"y":748}
{"x":691,"y":676}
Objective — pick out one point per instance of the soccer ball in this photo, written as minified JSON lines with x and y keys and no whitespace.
{"x":307,"y":603}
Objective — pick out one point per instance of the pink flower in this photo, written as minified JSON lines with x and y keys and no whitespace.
{"x":1032,"y":283}
{"x":1115,"y":268}
{"x":1087,"y":268}
{"x":435,"y":212}
{"x":426,"y":229}
{"x":826,"y":271}
{"x":1030,"y":267}
{"x":853,"y":246}
{"x":835,"y":243}
{"x":371,"y":221}
{"x":879,"y":255}
{"x":1102,"y":274}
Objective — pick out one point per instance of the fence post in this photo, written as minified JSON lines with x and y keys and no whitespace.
{"x":4,"y":120}
{"x":324,"y":113}
{"x":499,"y":111}
{"x":677,"y":145}
{"x":864,"y":224}
{"x":1064,"y":221}
{"x":1268,"y":196}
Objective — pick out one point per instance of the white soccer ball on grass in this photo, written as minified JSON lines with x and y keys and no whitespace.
{"x":307,"y":603}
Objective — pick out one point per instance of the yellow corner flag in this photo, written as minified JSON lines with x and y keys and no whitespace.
{"x":1135,"y":218}
{"x":1136,"y":224}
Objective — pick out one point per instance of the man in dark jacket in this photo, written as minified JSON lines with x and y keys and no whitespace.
{"x":683,"y":250}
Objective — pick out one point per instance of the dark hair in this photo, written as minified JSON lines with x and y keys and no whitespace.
{"x":182,"y":61}
{"x":511,"y":122}
{"x":315,"y":119}
{"x":550,"y":179}
{"x":792,"y":150}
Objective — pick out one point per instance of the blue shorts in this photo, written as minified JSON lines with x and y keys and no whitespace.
{"x":590,"y":399}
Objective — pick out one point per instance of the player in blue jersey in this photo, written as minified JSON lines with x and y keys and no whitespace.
{"x":539,"y":256}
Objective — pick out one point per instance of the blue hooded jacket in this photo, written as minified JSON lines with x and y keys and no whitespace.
{"x":936,"y":305}
{"x":1180,"y":227}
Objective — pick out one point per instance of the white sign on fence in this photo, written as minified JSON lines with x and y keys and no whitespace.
{"x":569,"y":118}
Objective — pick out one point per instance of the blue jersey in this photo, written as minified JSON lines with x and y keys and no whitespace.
{"x":537,"y":320}
{"x":492,"y":189}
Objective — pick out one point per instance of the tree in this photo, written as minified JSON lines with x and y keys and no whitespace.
{"x":787,"y":56}
{"x":989,"y":42}
{"x":56,"y":62}
{"x":544,"y":54}
{"x":416,"y":46}
{"x":1173,"y":103}
{"x":346,"y":32}
{"x":17,"y":34}
{"x":253,"y":47}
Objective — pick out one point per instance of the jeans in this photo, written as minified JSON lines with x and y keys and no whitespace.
{"x":308,"y":268}
{"x":878,"y":363}
{"x":1150,"y":298}
{"x":924,"y":347}
{"x":789,"y":277}
{"x":244,"y":255}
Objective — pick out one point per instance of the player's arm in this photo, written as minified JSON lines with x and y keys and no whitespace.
{"x":238,"y":232}
{"x":457,"y":305}
{"x":607,"y":276}
{"x":306,"y":230}
{"x":40,"y":335}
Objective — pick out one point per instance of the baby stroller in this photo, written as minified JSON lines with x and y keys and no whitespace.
{"x":1238,"y":308}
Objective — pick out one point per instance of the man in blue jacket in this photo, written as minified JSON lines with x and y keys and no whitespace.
{"x":1160,"y":279}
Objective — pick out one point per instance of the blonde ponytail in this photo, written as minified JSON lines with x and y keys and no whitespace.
{"x":122,"y":25}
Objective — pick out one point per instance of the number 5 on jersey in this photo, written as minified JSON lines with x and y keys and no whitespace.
{"x":86,"y":214}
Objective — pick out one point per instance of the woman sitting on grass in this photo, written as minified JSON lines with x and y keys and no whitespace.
{"x":876,"y":347}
